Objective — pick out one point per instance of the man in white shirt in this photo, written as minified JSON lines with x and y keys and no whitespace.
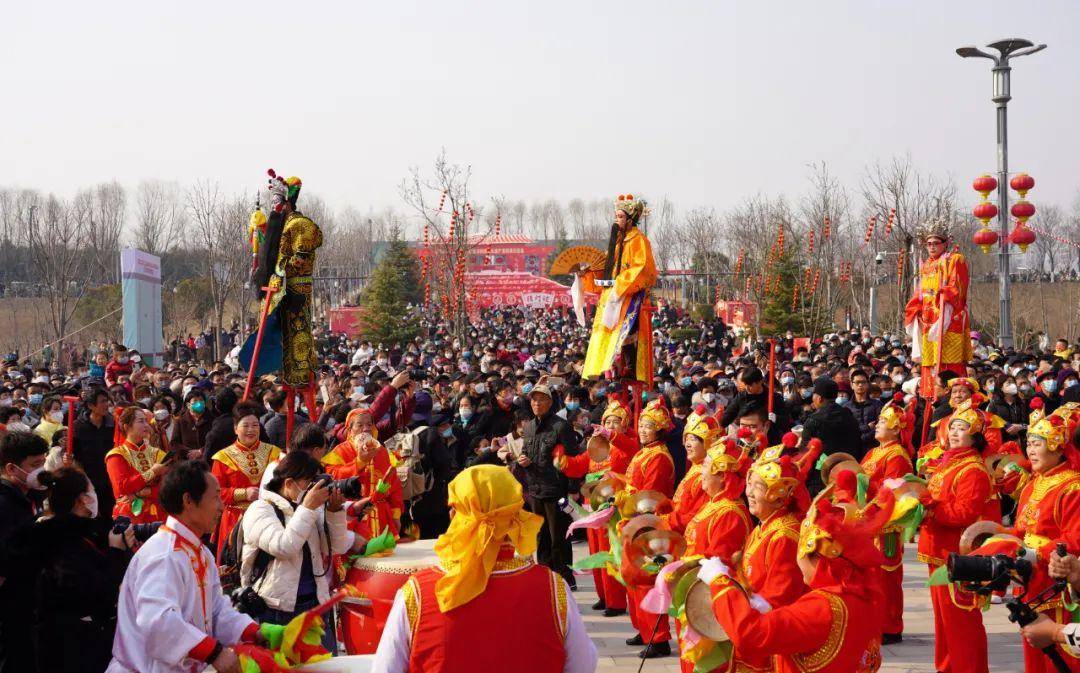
{"x":173,"y":616}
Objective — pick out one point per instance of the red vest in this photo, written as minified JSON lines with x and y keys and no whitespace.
{"x":517,"y":623}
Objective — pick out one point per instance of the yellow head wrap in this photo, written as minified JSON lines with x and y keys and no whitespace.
{"x":488,"y":511}
{"x":617,"y":409}
{"x":1053,"y":433}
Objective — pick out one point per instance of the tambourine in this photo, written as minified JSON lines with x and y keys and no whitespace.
{"x":699,"y":613}
{"x":845,"y":461}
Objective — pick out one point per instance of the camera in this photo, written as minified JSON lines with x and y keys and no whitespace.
{"x":879,"y":258}
{"x":350,"y":488}
{"x":142,"y":531}
{"x":992,"y":573}
{"x":248,"y":601}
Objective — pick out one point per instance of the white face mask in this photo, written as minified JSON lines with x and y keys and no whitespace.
{"x":1009,"y":388}
{"x":56,"y":416}
{"x":708,"y":397}
{"x":480,"y":388}
{"x":92,"y":505}
{"x":31,"y":478}
{"x":161,"y":414}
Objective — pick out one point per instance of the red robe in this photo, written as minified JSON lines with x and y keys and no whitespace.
{"x":527,"y":596}
{"x":881,"y":463}
{"x":943,"y":282}
{"x":689,"y":498}
{"x":768,"y":567}
{"x":826,"y":630}
{"x":127,"y":466}
{"x":343,"y":462}
{"x":1048,"y":512}
{"x":649,"y":469}
{"x":238,"y":468}
{"x":959,"y":489}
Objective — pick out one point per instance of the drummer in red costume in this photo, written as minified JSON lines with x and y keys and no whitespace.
{"x":958,"y":491}
{"x":361,"y":455}
{"x":651,"y":468}
{"x":1048,"y":513}
{"x":489,"y":606}
{"x":834,"y":627}
{"x":622,"y":447}
{"x":890,"y":460}
{"x":135,"y":470}
{"x":239,"y":468}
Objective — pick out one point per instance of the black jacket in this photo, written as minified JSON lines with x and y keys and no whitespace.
{"x":838,"y":431}
{"x":743,"y":402}
{"x":77,"y":584}
{"x":541,"y":436}
{"x":865,"y":413}
{"x":90,"y":445}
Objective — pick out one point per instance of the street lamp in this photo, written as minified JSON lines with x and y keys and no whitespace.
{"x":1006,"y":49}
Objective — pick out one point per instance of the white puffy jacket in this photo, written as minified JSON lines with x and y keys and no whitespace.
{"x":263,"y":530}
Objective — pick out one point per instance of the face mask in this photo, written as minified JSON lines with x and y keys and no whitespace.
{"x":685,"y":381}
{"x":898,"y":379}
{"x":198,"y":406}
{"x":1025,"y":389}
{"x":1009,"y":388}
{"x":841,"y":399}
{"x":1049,"y":385}
{"x":31,"y":477}
{"x":185,"y":390}
{"x":466,"y":354}
{"x":526,"y":389}
{"x":381,"y":363}
{"x":466,"y":414}
{"x":36,"y":398}
{"x":990,"y":387}
{"x":145,"y":401}
{"x":161,"y":414}
{"x":708,"y":397}
{"x":56,"y":416}
{"x":1030,"y":368}
{"x":447,"y":433}
{"x":573,"y":406}
{"x":786,"y":380}
{"x":600,"y":392}
{"x":540,"y":357}
{"x":806,"y":393}
{"x":18,"y":426}
{"x":480,"y":388}
{"x":92,"y":503}
{"x":123,"y":360}
{"x":901,"y":359}
{"x":885,"y":395}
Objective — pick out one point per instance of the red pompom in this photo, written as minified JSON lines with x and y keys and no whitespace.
{"x":846,"y":481}
{"x":813,"y":445}
{"x":898,"y":397}
{"x":271,"y":173}
{"x":701,"y":410}
{"x":744,"y":433}
{"x":1037,"y":403}
{"x":790,"y":440}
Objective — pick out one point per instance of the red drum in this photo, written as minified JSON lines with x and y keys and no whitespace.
{"x":380,"y":578}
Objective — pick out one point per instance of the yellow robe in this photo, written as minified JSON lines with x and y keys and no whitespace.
{"x":637,"y":274}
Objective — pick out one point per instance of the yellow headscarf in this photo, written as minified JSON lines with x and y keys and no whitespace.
{"x":488,"y":510}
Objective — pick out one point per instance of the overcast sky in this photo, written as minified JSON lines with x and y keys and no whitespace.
{"x":705,"y":102}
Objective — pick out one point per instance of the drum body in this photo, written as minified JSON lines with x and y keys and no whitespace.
{"x":380,"y":578}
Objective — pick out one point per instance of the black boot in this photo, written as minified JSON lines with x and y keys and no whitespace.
{"x":636,"y":640}
{"x":599,"y":605}
{"x":656,"y":650}
{"x":614,"y":612}
{"x":891,"y":638}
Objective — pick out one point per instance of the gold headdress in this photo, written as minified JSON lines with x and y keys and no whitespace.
{"x":937,"y":227}
{"x":617,"y":409}
{"x":1053,"y":430}
{"x":634,"y":208}
{"x":658,"y":414}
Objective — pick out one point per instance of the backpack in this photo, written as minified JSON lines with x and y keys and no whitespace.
{"x":232,"y":556}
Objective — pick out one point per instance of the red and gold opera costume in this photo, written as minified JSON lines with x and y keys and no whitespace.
{"x":378,"y":481}
{"x":958,"y":490}
{"x":890,"y":460}
{"x":133,"y":483}
{"x":622,"y":326}
{"x":834,"y":628}
{"x":939,"y":307}
{"x":689,"y":495}
{"x":622,"y":450}
{"x":651,"y":468}
{"x":238,"y":468}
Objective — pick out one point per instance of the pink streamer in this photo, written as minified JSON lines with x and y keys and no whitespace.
{"x":658,"y":600}
{"x":594,"y":520}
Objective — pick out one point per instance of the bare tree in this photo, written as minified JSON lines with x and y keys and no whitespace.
{"x":1050,"y":255}
{"x":109,"y":211}
{"x":159,"y":217}
{"x":56,"y":235}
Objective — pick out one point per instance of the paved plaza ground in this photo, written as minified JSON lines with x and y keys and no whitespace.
{"x":914,"y":655}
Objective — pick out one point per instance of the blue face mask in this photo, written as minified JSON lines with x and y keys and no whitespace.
{"x":840,"y":399}
{"x":466,"y":354}
{"x":36,"y":398}
{"x":685,"y":381}
{"x":573,"y":406}
{"x":526,"y":389}
{"x":786,"y":381}
{"x":465,"y":414}
{"x":806,"y":393}
{"x":600,"y":392}
{"x":1050,"y":385}
{"x":447,"y":433}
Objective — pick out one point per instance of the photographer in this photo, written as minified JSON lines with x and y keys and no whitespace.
{"x":1046,"y":631}
{"x":289,"y":541}
{"x":77,"y":565}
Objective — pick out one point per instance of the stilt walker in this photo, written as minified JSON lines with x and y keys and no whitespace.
{"x":283,"y":249}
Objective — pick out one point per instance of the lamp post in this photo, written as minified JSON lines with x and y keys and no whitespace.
{"x":1007,"y":49}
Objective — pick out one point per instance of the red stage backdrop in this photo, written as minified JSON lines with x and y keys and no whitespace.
{"x":502,"y":253}
{"x":737,"y":313}
{"x":347,"y":320}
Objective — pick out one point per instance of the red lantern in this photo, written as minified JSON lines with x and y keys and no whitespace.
{"x":1023,"y":210}
{"x":984,"y":184}
{"x":985,"y":238}
{"x":985,"y":211}
{"x":1022,"y":182}
{"x":1022,"y":237}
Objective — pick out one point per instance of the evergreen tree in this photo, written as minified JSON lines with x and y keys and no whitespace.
{"x":394,"y":284}
{"x":777,"y":313}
